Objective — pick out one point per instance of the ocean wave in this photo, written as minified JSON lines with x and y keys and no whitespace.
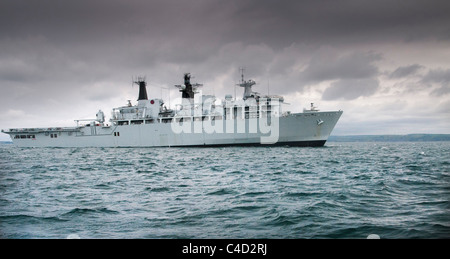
{"x":223,"y":191}
{"x":29,"y":218}
{"x":350,"y":190}
{"x":88,"y":211}
{"x":157,"y":189}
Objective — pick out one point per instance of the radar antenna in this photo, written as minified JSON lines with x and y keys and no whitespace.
{"x":188,"y":89}
{"x":248,"y":93}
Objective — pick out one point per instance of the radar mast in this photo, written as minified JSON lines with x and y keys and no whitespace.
{"x":248,"y":93}
{"x":187,"y":89}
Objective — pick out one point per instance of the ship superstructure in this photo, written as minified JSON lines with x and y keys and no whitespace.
{"x":200,"y":120}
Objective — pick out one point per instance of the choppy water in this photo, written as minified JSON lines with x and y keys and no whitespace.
{"x":343,"y":190}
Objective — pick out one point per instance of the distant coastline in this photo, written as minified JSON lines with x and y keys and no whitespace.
{"x":391,"y":138}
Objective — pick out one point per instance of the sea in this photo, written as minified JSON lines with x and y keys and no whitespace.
{"x":342,"y":190}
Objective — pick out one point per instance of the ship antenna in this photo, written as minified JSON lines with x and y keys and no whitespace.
{"x":235,"y":97}
{"x":241,"y":69}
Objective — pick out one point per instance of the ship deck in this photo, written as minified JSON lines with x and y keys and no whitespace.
{"x":41,"y":130}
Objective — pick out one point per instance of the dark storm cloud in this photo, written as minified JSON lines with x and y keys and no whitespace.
{"x":93,"y":39}
{"x":405,"y":71}
{"x":342,"y":21}
{"x":276,"y":23}
{"x":328,"y":65}
{"x":191,"y":31}
{"x":354,"y":74}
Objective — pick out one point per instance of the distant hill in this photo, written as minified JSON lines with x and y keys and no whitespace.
{"x":391,"y":138}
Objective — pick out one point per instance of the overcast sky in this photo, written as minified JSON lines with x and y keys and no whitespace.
{"x":385,"y":63}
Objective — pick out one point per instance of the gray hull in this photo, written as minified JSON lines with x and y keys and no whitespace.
{"x":300,"y":129}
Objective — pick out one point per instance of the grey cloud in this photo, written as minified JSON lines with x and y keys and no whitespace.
{"x":443,"y":90}
{"x":444,"y":108}
{"x":94,"y":39}
{"x":13,"y":70}
{"x":405,"y":71}
{"x":439,"y":77}
{"x":139,"y":34}
{"x":346,"y":21}
{"x":276,"y":23}
{"x":328,"y":65}
{"x":349,"y":89}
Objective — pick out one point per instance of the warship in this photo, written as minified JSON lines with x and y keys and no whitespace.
{"x":199,"y":121}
